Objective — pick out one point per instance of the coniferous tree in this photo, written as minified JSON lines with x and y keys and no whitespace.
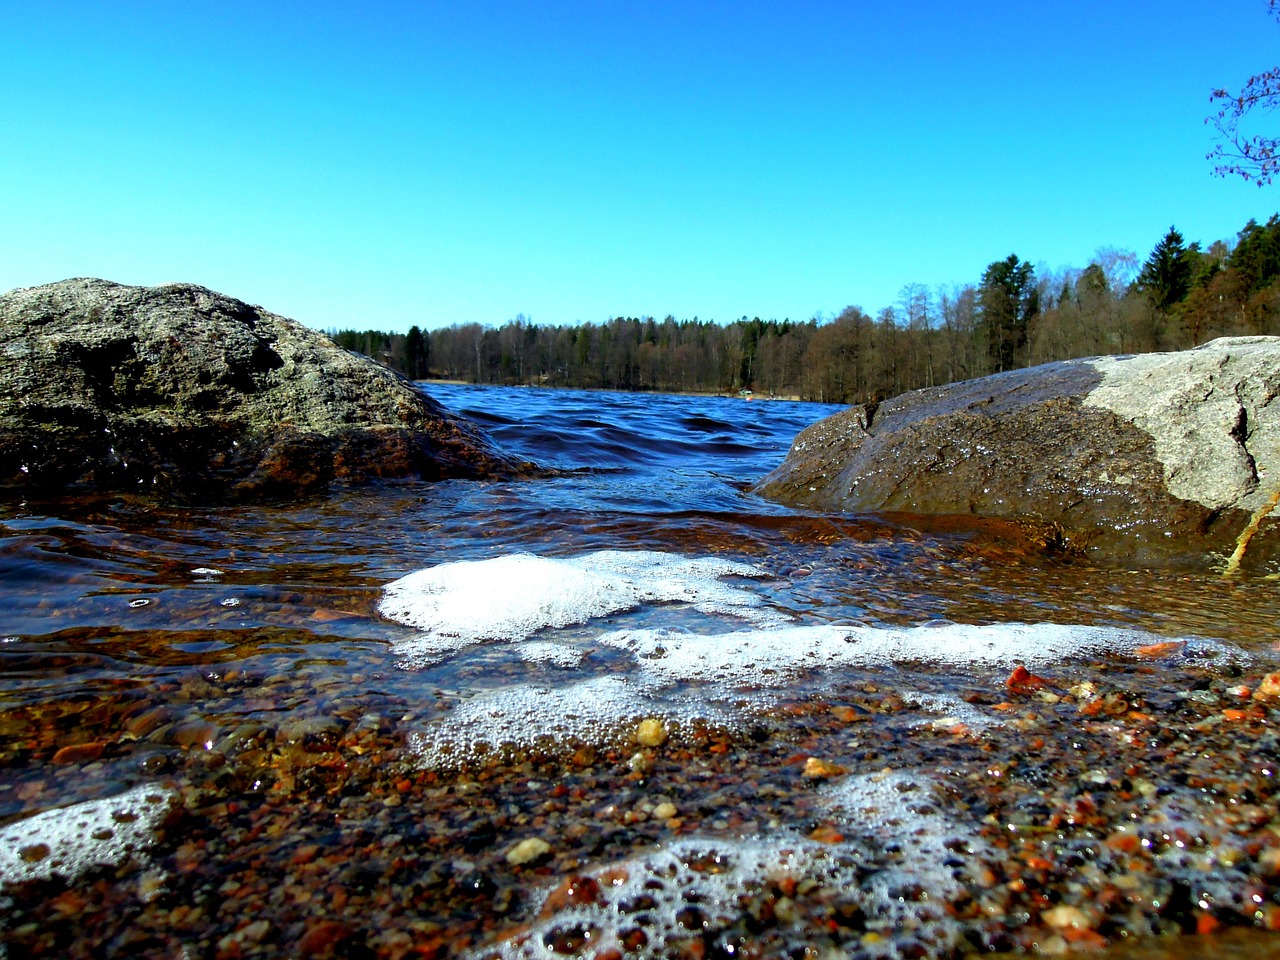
{"x":1166,"y":276}
{"x":1007,"y":300}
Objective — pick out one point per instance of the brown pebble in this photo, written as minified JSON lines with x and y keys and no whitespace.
{"x":576,"y":890}
{"x":527,"y":851}
{"x":651,"y":732}
{"x":1268,"y":688}
{"x":815,"y":768}
{"x":80,"y":753}
{"x":34,"y":853}
{"x":826,"y":834}
{"x":1269,"y":862}
{"x":322,"y":936}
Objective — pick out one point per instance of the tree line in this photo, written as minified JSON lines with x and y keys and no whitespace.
{"x":1182,"y":295}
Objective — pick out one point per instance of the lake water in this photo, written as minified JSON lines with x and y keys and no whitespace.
{"x":629,"y":710}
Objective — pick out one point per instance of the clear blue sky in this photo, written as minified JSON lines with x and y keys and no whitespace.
{"x":385,"y":164}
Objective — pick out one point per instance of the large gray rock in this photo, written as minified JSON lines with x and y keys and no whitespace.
{"x":1150,"y":457}
{"x":179,"y":390}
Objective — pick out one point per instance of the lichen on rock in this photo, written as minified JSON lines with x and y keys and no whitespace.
{"x":180,"y":391}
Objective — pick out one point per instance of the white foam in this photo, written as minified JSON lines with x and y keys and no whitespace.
{"x":70,"y":840}
{"x":512,"y":597}
{"x":665,"y":664}
{"x":774,"y":657}
{"x":949,"y":712}
{"x":590,"y":712}
{"x":896,"y":808}
{"x":889,"y":820}
{"x":555,"y":654}
{"x":708,"y":873}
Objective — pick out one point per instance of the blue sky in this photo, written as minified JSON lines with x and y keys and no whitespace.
{"x":385,"y":164}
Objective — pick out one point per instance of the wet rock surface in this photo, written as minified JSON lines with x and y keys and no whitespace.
{"x":184,"y":392}
{"x":1150,"y":457}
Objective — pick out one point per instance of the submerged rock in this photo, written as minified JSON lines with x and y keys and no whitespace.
{"x":1149,"y":457}
{"x":182,"y":391}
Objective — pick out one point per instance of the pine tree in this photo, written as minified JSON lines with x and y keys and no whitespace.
{"x":1166,"y":276}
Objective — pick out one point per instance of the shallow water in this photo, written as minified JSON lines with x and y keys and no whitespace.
{"x":238,"y":652}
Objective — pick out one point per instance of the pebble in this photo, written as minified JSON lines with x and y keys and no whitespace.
{"x":651,"y":732}
{"x":527,"y":851}
{"x":815,"y":768}
{"x":1268,"y":688}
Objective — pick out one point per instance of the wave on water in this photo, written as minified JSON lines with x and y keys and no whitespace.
{"x":648,"y":433}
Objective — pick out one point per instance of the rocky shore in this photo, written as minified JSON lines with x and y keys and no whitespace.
{"x":1156,"y":457}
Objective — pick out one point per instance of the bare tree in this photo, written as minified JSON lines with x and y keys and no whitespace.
{"x":1255,"y":157}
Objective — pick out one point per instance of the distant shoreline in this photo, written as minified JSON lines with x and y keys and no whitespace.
{"x":663,"y":393}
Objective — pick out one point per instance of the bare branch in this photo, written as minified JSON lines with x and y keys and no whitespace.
{"x":1254,"y":158}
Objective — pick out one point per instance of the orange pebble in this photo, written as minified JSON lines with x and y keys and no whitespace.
{"x":79,"y":753}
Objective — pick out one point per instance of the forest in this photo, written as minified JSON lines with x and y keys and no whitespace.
{"x":1181,"y":295}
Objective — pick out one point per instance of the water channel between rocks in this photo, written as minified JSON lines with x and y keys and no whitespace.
{"x":630,"y":711}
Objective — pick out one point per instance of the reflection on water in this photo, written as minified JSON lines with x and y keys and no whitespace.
{"x":143,"y":636}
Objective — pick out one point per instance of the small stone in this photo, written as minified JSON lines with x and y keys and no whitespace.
{"x":527,"y":851}
{"x":1268,"y":688}
{"x":79,"y":753}
{"x":826,"y":833}
{"x":640,"y":762}
{"x":815,"y":768}
{"x":651,"y":732}
{"x":1064,"y":917}
{"x":323,"y":936}
{"x":33,"y":853}
{"x":664,"y":811}
{"x":1269,"y":862}
{"x":784,"y":908}
{"x":577,"y":890}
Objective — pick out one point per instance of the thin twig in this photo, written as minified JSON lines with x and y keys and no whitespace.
{"x":1242,"y":541}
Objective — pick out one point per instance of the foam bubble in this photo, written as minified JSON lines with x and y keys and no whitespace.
{"x":774,"y":657}
{"x":512,"y":597}
{"x":518,"y":717}
{"x":949,"y":712}
{"x":70,"y":840}
{"x":555,"y":654}
{"x":705,"y":883}
{"x":891,"y":807}
{"x":665,"y":664}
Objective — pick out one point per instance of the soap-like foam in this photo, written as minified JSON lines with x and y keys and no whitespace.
{"x":557,"y":719}
{"x":556,"y":654}
{"x":70,"y":840}
{"x":949,"y":712}
{"x":774,"y":657}
{"x":704,"y":883}
{"x":719,"y":668}
{"x":510,"y":598}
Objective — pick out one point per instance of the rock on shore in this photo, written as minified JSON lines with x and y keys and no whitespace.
{"x":1148,"y":457}
{"x":185,"y":392}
